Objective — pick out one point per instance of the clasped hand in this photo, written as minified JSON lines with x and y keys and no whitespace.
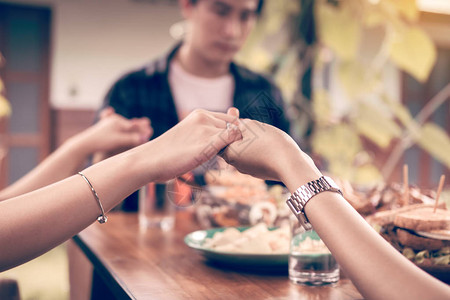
{"x":267,"y":152}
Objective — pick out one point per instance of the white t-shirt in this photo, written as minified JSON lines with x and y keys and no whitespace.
{"x":191,"y":92}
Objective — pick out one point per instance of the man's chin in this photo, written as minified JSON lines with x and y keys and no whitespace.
{"x":221,"y":57}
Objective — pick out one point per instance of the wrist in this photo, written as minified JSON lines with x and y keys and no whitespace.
{"x":300,"y":171}
{"x":80,"y":144}
{"x":143,"y":162}
{"x":75,"y":149}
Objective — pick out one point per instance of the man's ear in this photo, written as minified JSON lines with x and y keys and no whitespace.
{"x":186,"y":8}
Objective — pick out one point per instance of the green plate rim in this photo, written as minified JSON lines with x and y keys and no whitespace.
{"x":210,"y":232}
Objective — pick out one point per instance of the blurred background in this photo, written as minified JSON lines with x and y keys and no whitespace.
{"x":366,"y":83}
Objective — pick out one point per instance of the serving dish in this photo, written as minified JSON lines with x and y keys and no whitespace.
{"x":196,"y":240}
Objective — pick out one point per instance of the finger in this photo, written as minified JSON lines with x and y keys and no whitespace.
{"x":235,"y":136}
{"x":106,"y":112}
{"x":140,"y":126}
{"x":135,"y":124}
{"x":144,"y":121}
{"x":144,"y":131}
{"x":251,"y":126}
{"x":233,"y":111}
{"x":145,"y":135}
{"x":217,"y":122}
{"x":128,"y":125}
{"x":224,"y":117}
{"x":231,"y":135}
{"x":235,"y":133}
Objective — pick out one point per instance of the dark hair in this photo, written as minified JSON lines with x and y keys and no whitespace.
{"x":258,"y":9}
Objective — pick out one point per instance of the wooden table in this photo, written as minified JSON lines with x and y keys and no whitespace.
{"x":158,"y":265}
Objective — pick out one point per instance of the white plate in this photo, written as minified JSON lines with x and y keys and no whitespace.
{"x":196,"y":239}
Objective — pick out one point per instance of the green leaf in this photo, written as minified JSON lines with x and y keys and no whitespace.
{"x":400,"y":111}
{"x":276,"y":13}
{"x":338,"y":29}
{"x":376,"y":125}
{"x":5,"y":108}
{"x":367,"y":174}
{"x":374,"y":17}
{"x":435,"y":141}
{"x":340,"y":169}
{"x":260,"y":60}
{"x":356,"y":78}
{"x":321,"y":107}
{"x":371,"y":48}
{"x":339,"y":142}
{"x":414,"y":52}
{"x":274,"y":22}
{"x":406,"y":8}
{"x":287,"y":76}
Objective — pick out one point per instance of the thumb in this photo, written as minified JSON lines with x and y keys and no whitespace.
{"x":233,"y":111}
{"x":233,"y":134}
{"x":106,"y":112}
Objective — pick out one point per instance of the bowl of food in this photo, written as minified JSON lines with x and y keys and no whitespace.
{"x":234,"y":199}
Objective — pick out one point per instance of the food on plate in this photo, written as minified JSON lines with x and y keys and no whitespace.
{"x":235,"y":199}
{"x":383,"y":197}
{"x":229,"y":176}
{"x":417,"y":231}
{"x":423,"y":219}
{"x":429,"y":258}
{"x":387,"y":217}
{"x":417,"y":242}
{"x":255,"y":240}
{"x":263,"y":211}
{"x":310,"y":246}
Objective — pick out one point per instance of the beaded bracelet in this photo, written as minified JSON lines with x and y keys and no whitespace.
{"x":102,"y":218}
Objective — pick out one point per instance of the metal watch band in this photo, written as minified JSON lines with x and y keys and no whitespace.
{"x":303,"y":194}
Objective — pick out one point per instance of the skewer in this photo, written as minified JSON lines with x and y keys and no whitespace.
{"x":439,"y":190}
{"x":405,"y":185}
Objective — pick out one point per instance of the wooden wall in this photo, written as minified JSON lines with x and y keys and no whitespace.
{"x":68,"y":122}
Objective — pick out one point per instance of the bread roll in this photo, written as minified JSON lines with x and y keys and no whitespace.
{"x":387,"y":217}
{"x":423,"y":219}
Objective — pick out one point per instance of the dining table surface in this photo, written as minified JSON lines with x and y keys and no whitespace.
{"x":133,"y":263}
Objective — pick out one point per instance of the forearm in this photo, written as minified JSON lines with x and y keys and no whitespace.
{"x":35,"y":222}
{"x":32,"y":223}
{"x":375,"y":267}
{"x":65,"y":161}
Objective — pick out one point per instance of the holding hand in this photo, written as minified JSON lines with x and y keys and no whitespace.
{"x":268,"y":153}
{"x":115,"y":132}
{"x":193,"y":141}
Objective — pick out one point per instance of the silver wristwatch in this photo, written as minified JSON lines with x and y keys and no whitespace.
{"x":303,"y":194}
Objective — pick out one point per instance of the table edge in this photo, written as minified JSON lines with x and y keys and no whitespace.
{"x":116,"y":286}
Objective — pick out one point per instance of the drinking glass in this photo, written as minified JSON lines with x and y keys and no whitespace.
{"x":155,"y":208}
{"x":310,"y":261}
